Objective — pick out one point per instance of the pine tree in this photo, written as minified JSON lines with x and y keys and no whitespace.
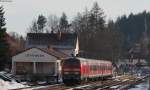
{"x":38,"y":25}
{"x":2,"y":23}
{"x":41,"y":22}
{"x":90,"y":26}
{"x":4,"y":47}
{"x":96,"y":18}
{"x":63,"y":24}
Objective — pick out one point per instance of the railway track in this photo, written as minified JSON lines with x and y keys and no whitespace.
{"x":97,"y":85}
{"x":117,"y":83}
{"x":60,"y":87}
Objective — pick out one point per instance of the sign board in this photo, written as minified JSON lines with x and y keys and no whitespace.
{"x":34,"y":55}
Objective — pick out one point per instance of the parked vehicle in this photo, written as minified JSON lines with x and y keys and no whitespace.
{"x":75,"y":70}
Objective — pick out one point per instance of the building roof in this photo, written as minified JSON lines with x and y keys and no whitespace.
{"x":50,"y":51}
{"x":54,"y":40}
{"x":55,"y":53}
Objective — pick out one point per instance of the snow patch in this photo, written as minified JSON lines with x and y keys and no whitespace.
{"x":5,"y":85}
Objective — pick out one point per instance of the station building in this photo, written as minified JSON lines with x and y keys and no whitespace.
{"x":43,"y":54}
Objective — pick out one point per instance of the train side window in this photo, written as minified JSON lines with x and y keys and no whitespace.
{"x":94,"y":67}
{"x":101,"y":67}
{"x":91,"y":67}
{"x":97,"y":66}
{"x":109,"y":67}
{"x":105,"y":67}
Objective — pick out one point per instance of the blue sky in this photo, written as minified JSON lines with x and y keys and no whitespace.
{"x":20,"y":13}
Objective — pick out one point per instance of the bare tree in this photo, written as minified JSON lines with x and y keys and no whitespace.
{"x":38,"y":26}
{"x":20,"y":40}
{"x":52,"y":23}
{"x":33,"y":28}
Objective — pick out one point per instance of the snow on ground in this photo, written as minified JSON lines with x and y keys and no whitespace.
{"x":115,"y":87}
{"x":5,"y":85}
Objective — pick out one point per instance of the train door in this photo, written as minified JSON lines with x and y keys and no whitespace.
{"x":84,"y":69}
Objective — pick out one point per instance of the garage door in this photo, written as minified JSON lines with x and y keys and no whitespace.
{"x":45,"y":68}
{"x":24,"y":68}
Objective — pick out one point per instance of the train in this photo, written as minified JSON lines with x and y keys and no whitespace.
{"x":76,"y":70}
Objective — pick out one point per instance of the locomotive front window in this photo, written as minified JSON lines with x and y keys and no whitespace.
{"x":71,"y":62}
{"x":71,"y":65}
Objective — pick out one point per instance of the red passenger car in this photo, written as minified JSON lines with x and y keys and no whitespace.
{"x":75,"y":70}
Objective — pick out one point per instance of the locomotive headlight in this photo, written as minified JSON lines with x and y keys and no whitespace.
{"x":76,"y":72}
{"x":66,"y":72}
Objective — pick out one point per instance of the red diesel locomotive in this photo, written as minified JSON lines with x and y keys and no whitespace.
{"x":75,"y":70}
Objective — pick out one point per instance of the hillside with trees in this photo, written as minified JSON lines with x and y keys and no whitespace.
{"x":97,"y":38}
{"x":133,"y":29}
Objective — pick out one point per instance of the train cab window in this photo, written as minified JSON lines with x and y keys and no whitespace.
{"x":71,"y":62}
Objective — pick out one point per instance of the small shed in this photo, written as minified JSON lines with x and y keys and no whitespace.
{"x":37,"y":61}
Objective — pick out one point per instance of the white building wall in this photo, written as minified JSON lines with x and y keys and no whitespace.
{"x":33,"y":55}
